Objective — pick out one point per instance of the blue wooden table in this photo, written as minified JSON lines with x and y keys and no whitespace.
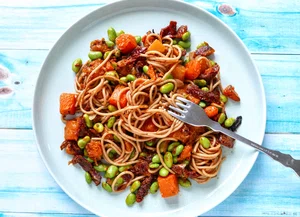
{"x":269,"y":28}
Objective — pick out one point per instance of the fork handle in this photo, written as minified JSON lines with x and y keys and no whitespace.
{"x":285,"y":159}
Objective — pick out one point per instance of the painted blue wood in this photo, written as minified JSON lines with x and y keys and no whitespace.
{"x":280,"y":74}
{"x":262,"y":29}
{"x":268,"y":189}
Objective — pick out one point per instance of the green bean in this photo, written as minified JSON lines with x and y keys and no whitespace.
{"x":130,"y":77}
{"x":163,"y":172}
{"x":83,"y":142}
{"x":111,"y":108}
{"x":185,"y":44}
{"x":204,"y":142}
{"x":223,"y":98}
{"x":111,"y":33}
{"x":106,"y":187}
{"x":149,"y":143}
{"x":124,"y":168}
{"x":228,"y":122}
{"x":93,"y":55}
{"x":89,"y":160}
{"x":186,"y":36}
{"x":101,"y":167}
{"x":138,"y":39}
{"x":168,"y":159}
{"x":169,"y":76}
{"x":205,"y":89}
{"x":156,"y":159}
{"x":200,"y":82}
{"x":130,"y":199}
{"x":110,"y":43}
{"x":117,"y":53}
{"x":98,"y":127}
{"x":111,"y":171}
{"x":88,"y":178}
{"x":117,"y":139}
{"x":154,"y":187}
{"x":119,"y":181}
{"x":184,"y":183}
{"x":87,"y":120}
{"x":175,"y":159}
{"x":76,"y":65}
{"x":145,"y":68}
{"x":120,"y":32}
{"x":178,"y":150}
{"x":202,"y":104}
{"x":106,"y":54}
{"x":111,"y":122}
{"x":221,"y":118}
{"x":166,"y":88}
{"x":153,"y":165}
{"x":124,"y":79}
{"x":135,"y":185}
{"x":173,"y":145}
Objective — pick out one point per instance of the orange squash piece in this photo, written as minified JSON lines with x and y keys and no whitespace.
{"x":94,"y":150}
{"x":126,"y":43}
{"x":211,"y":111}
{"x":120,"y":95}
{"x":72,"y":129}
{"x":67,"y":104}
{"x":168,"y":185}
{"x":149,"y":126}
{"x":185,"y":154}
{"x":179,"y":72}
{"x":157,"y":45}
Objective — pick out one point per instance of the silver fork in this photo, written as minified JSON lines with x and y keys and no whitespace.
{"x":193,"y":114}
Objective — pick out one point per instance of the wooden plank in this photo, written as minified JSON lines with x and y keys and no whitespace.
{"x":26,"y":182}
{"x":39,"y":26}
{"x":280,"y":75}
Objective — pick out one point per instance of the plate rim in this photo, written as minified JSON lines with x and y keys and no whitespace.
{"x":101,"y":7}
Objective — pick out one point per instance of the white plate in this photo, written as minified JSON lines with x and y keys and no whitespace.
{"x":137,"y":17}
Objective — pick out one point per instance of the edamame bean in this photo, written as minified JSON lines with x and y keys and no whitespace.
{"x":83,"y":142}
{"x":87,"y":120}
{"x":145,"y":68}
{"x":76,"y":65}
{"x":110,"y":43}
{"x":201,"y":45}
{"x":173,"y":145}
{"x":174,"y":42}
{"x":116,"y":139}
{"x":186,"y":61}
{"x":101,"y":167}
{"x":85,"y":153}
{"x":223,"y":98}
{"x":200,"y":82}
{"x":163,"y":147}
{"x":186,"y":162}
{"x":106,"y":187}
{"x":228,"y":122}
{"x":166,"y":88}
{"x":111,"y":122}
{"x":89,"y":160}
{"x":156,"y":159}
{"x":143,"y":154}
{"x":111,"y":108}
{"x":119,"y":181}
{"x":205,"y":89}
{"x":163,"y":172}
{"x":88,"y":178}
{"x":184,"y":183}
{"x":124,"y":79}
{"x":154,"y":187}
{"x":117,"y":53}
{"x":130,"y":199}
{"x":106,"y":54}
{"x":98,"y":127}
{"x":138,"y":39}
{"x":124,"y":168}
{"x":149,"y":143}
{"x":185,"y":44}
{"x":135,"y":185}
{"x":130,"y":77}
{"x":202,"y":104}
{"x":153,"y":165}
{"x":112,"y":74}
{"x":111,"y":33}
{"x":175,"y":159}
{"x":178,"y":150}
{"x":120,"y":32}
{"x":168,"y":159}
{"x":204,"y":142}
{"x":212,"y":63}
{"x":132,"y":154}
{"x":169,"y":76}
{"x":93,"y":55}
{"x":221,"y":118}
{"x":186,"y":36}
{"x":111,"y":171}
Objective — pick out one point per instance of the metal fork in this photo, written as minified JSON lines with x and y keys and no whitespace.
{"x":193,"y":114}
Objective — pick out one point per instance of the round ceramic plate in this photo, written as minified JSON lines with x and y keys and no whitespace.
{"x":137,"y":17}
